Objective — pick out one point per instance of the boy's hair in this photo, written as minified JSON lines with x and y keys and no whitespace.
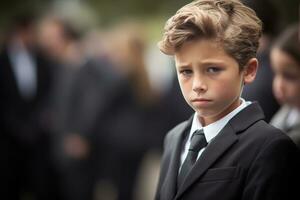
{"x":229,"y":22}
{"x":289,"y":42}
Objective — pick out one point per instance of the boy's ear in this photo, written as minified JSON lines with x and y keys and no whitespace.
{"x":250,"y":70}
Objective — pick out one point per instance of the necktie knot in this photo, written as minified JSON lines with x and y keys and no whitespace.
{"x":198,"y":141}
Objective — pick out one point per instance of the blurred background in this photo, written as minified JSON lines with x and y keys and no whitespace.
{"x":87,"y":97}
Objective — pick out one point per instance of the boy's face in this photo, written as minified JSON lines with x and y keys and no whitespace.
{"x":209,"y":78}
{"x":286,"y":83}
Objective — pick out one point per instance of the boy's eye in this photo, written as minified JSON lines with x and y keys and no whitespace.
{"x":290,"y":77}
{"x":186,"y":72}
{"x":213,"y":69}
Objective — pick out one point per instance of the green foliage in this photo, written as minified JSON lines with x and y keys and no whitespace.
{"x":11,"y":8}
{"x":110,"y":11}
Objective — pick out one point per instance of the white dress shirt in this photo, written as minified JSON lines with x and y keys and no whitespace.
{"x":293,"y":118}
{"x":211,"y":130}
{"x":24,"y":69}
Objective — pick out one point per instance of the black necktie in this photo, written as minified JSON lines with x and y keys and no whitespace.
{"x":198,"y":142}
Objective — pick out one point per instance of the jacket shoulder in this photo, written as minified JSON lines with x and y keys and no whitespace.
{"x":263,"y":129}
{"x":175,"y":132}
{"x":262,"y":136}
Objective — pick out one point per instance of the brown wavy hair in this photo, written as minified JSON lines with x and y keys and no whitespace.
{"x":229,"y":22}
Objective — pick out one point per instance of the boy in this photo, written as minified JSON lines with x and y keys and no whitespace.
{"x":225,"y":150}
{"x":285,"y":57}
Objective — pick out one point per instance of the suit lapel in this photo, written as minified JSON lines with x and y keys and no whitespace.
{"x":169,"y":186}
{"x":225,"y":139}
{"x":221,"y":143}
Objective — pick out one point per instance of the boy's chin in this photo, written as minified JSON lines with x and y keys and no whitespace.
{"x":206,"y":114}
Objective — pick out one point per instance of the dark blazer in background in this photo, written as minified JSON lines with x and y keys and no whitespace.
{"x":247,"y":160}
{"x":261,"y":89}
{"x":24,"y":136}
{"x":22,"y":118}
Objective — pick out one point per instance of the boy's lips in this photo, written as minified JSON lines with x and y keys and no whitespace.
{"x":201,"y":100}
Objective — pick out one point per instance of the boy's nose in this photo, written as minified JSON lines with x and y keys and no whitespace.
{"x":199,"y":85}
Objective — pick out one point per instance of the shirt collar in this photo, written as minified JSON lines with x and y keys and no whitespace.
{"x":213,"y":129}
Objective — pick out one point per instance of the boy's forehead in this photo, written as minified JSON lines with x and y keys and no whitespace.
{"x":199,"y":46}
{"x":204,"y":51}
{"x":209,"y":42}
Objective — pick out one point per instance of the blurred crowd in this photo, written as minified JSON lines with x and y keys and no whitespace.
{"x":78,"y":112}
{"x":81,"y":110}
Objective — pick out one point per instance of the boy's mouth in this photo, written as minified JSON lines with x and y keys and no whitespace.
{"x":201,"y":100}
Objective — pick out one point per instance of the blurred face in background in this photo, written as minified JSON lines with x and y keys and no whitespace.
{"x":27,"y":35}
{"x":51,"y":38}
{"x":286,"y":83}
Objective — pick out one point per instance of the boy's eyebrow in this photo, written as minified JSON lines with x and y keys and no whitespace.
{"x":205,"y":62}
{"x":182,"y":65}
{"x":212,"y":61}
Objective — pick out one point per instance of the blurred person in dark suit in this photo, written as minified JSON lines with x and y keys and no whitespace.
{"x":261,"y":89}
{"x":25,"y":80}
{"x":129,"y":124}
{"x":84,"y":89}
{"x":60,"y":42}
{"x":92,"y":93}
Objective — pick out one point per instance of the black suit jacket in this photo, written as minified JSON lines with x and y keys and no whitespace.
{"x":24,"y":135}
{"x":247,"y":160}
{"x":22,"y":120}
